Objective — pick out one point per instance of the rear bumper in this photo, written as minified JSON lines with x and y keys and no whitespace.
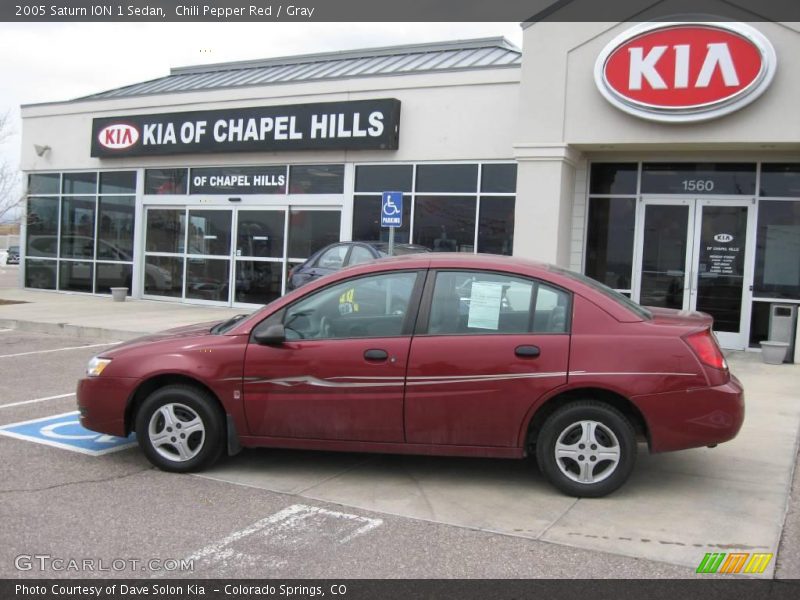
{"x":693,"y":418}
{"x":102,"y":402}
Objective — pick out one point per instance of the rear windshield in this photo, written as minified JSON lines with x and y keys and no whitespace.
{"x":637,"y":309}
{"x":399,"y":250}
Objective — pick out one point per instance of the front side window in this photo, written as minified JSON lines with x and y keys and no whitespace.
{"x":359,"y":255}
{"x":373,"y":306}
{"x":466,"y":302}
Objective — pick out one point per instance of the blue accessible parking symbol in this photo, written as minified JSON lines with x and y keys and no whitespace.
{"x":65,"y":431}
{"x":392,"y":209}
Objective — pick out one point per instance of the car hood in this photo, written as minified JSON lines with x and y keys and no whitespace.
{"x":186,"y":331}
{"x":671,"y":316}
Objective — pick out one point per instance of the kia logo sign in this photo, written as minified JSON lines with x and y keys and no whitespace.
{"x":684,"y":72}
{"x":723,"y":237}
{"x":118,"y":136}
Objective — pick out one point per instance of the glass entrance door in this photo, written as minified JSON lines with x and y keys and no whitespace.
{"x":231,"y":256}
{"x":693,"y":255}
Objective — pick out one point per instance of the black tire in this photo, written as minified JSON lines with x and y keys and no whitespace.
{"x":613,"y":435}
{"x":186,"y":404}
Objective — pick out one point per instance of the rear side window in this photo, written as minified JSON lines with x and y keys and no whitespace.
{"x":359,"y":255}
{"x":471,"y":302}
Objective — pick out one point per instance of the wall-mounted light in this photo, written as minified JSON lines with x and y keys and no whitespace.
{"x":234,"y":199}
{"x":41,"y":150}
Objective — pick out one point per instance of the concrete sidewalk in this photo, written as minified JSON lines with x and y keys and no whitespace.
{"x":98,"y":317}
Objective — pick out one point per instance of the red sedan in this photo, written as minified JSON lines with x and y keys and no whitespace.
{"x":459,"y":355}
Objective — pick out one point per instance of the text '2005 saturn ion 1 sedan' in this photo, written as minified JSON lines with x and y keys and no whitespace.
{"x":429,"y":354}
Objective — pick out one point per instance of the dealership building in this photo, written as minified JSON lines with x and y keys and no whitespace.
{"x":659,"y":158}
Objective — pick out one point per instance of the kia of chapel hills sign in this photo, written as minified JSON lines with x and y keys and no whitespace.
{"x":685,"y":72}
{"x":354,"y":125}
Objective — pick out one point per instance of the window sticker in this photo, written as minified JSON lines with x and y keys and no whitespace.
{"x":484,"y":305}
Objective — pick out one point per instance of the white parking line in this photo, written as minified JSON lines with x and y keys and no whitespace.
{"x":58,"y":349}
{"x":296,"y":525}
{"x":36,"y":400}
{"x":4,"y":330}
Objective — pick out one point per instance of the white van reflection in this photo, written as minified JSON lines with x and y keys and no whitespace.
{"x":42,"y":274}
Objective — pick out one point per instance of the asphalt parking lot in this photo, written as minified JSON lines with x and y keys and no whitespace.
{"x":278,"y":513}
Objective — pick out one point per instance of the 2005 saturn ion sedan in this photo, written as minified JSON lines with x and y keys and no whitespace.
{"x":460,"y":355}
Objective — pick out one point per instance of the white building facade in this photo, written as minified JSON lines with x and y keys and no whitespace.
{"x":661,"y":161}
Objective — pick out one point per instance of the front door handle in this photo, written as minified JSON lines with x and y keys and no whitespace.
{"x":376,"y":354}
{"x":527,"y":351}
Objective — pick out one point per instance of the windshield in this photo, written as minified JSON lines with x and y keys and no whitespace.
{"x":637,"y":309}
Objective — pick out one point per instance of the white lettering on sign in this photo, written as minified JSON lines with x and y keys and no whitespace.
{"x":682,"y":72}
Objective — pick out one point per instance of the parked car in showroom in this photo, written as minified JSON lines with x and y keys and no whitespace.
{"x":344,"y":254}
{"x":439,"y":354}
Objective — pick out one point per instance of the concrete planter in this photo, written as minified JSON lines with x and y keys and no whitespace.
{"x":774,"y":353}
{"x":118,"y":294}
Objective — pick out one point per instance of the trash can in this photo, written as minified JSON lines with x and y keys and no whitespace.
{"x":782,"y":319}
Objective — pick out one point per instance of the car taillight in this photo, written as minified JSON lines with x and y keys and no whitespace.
{"x":706,"y":349}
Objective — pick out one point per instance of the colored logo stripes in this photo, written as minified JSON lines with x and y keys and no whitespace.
{"x":734,"y":562}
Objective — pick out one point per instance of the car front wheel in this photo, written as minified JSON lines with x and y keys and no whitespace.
{"x":586,"y":449}
{"x":179,"y":428}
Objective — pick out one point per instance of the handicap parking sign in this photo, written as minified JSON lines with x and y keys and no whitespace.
{"x":65,"y":431}
{"x":392,"y":209}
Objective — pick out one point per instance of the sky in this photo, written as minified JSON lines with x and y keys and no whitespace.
{"x":43,"y":62}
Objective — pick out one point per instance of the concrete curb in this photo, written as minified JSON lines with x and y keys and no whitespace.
{"x":78,"y":331}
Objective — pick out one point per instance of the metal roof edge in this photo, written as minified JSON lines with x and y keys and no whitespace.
{"x":474,"y":43}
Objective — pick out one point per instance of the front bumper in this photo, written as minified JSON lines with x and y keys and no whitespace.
{"x":693,"y":418}
{"x":102,"y":402}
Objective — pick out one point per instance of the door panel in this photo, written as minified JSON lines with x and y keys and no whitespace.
{"x":475,"y":390}
{"x":340,"y":374}
{"x":326,"y":389}
{"x":491,"y":347}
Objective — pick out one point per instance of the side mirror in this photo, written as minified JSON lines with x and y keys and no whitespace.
{"x":274,"y":335}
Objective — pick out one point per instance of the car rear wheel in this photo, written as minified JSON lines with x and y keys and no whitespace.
{"x":586,"y":449}
{"x":179,"y":428}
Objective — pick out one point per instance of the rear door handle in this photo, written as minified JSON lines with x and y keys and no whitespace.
{"x":376,"y":354}
{"x":527,"y":351}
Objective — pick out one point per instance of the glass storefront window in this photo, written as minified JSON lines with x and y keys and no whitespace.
{"x":777,"y":273}
{"x":163,"y":276}
{"x":40,"y":274}
{"x":118,"y":182}
{"x":165,"y":181}
{"x":46,"y":183}
{"x":699,"y":178}
{"x":781,"y":180}
{"x":367,"y":220}
{"x":75,"y":276}
{"x":210,"y":232}
{"x":207,"y":279}
{"x":316,"y":179}
{"x":496,"y":225}
{"x":79,"y":183}
{"x":115,"y":226}
{"x":384,"y":178}
{"x":499,"y":178}
{"x":77,"y":228}
{"x":445,"y":223}
{"x":311,"y":230}
{"x":260,"y":233}
{"x":165,"y":230}
{"x":42,"y":231}
{"x":613,"y":178}
{"x":257,"y":282}
{"x":454,"y":178}
{"x":609,"y":241}
{"x":108,"y":275}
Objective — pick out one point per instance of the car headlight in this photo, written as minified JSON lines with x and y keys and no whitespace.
{"x":96,"y":366}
